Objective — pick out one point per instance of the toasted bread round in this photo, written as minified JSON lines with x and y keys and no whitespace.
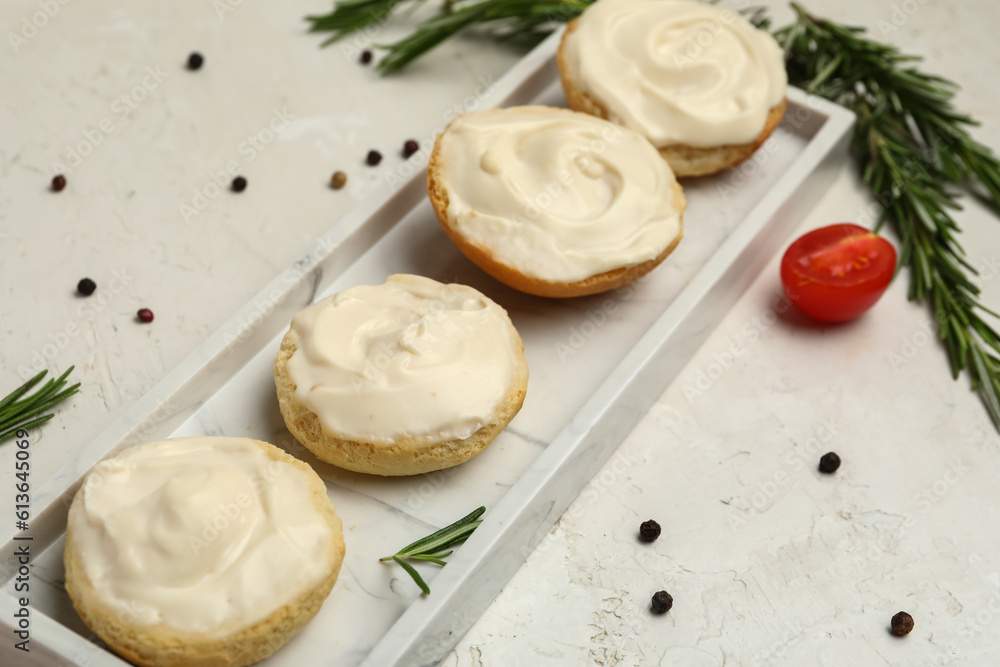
{"x":234,"y":644}
{"x":401,"y":454}
{"x":686,"y":161}
{"x":406,"y":456}
{"x":489,"y":259}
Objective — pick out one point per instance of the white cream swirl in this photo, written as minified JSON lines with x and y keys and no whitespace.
{"x":557,"y":195}
{"x":678,"y":72}
{"x":201,"y":534}
{"x":411,"y":358}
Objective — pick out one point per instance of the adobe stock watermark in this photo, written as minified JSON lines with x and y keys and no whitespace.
{"x":741,"y":174}
{"x":228,"y":514}
{"x":223,"y":7}
{"x":32,"y":25}
{"x":124,"y":618}
{"x":929,"y":329}
{"x":910,"y":345}
{"x":609,"y":476}
{"x":264,"y":304}
{"x":433,"y":323}
{"x":351,"y":46}
{"x":534,"y":201}
{"x":260,"y":647}
{"x":987,"y":614}
{"x":100,"y":473}
{"x":901,"y":13}
{"x":409,"y":167}
{"x":248,"y":150}
{"x":584,"y":157}
{"x":796,"y":116}
{"x":940,"y":487}
{"x":743,"y":509}
{"x":777,"y":649}
{"x":704,"y":35}
{"x":594,"y":319}
{"x":929,"y":155}
{"x":121,"y":108}
{"x":868,"y":551}
{"x":749,"y":333}
{"x":428,"y":488}
{"x":60,"y":339}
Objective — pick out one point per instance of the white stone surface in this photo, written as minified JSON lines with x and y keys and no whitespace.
{"x":796,"y":569}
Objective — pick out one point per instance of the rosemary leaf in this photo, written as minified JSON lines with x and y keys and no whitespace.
{"x":421,"y":544}
{"x":429,"y":548}
{"x":18,"y":407}
{"x":428,"y":557}
{"x":524,"y":22}
{"x":413,"y":574}
{"x":21,"y":391}
{"x":36,"y":422}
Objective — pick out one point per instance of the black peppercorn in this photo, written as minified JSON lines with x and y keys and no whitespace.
{"x":829,"y":463}
{"x":366,"y":57}
{"x":239,"y":184}
{"x":58,"y":183}
{"x":373,"y":158}
{"x":902,"y":624}
{"x":195,"y":60}
{"x":86,"y":287}
{"x":410,"y":147}
{"x":662,"y":602}
{"x":145,"y":315}
{"x":649,"y":531}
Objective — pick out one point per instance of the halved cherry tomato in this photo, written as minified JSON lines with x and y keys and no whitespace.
{"x":836,"y":273}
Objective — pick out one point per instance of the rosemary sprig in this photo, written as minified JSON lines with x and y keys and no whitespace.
{"x":352,"y":15}
{"x":431,"y":548}
{"x":911,"y":144}
{"x":17,"y":409}
{"x":525,"y":22}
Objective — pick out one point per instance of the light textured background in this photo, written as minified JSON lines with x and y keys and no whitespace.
{"x":796,"y":569}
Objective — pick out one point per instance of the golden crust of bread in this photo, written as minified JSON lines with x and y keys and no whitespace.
{"x":686,"y":161}
{"x":165,"y":646}
{"x":487,"y":261}
{"x":405,"y":456}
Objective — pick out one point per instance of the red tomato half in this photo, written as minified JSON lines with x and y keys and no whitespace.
{"x":836,"y":273}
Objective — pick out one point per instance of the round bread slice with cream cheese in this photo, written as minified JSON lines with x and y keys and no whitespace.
{"x":201,"y":551}
{"x":703,"y":84}
{"x":553,"y":202}
{"x":400,"y":378}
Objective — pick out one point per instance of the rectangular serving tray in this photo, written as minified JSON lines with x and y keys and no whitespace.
{"x":596,"y":363}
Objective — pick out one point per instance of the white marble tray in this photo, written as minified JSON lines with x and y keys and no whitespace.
{"x":596,"y":364}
